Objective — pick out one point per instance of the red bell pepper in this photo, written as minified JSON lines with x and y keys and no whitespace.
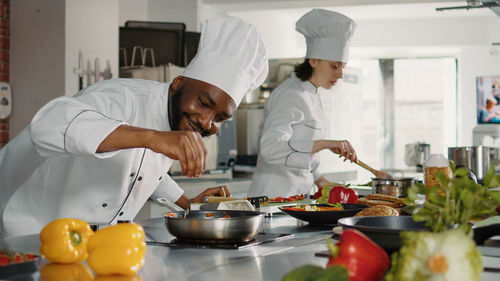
{"x":363,"y":258}
{"x":340,"y":194}
{"x":318,"y":193}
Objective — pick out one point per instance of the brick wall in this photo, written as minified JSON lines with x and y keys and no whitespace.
{"x":4,"y":61}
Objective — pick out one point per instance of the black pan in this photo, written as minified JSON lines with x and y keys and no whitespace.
{"x":385,"y":230}
{"x":325,"y":217}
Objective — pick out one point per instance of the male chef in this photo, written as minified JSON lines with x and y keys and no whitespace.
{"x":99,"y":155}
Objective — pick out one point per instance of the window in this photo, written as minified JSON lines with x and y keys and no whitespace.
{"x":397,"y":101}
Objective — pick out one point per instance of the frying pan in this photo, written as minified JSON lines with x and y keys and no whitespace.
{"x":385,"y":230}
{"x":214,"y":226}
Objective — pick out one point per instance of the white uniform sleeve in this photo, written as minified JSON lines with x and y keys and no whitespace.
{"x":316,"y":174}
{"x":168,"y":189}
{"x":68,"y":126}
{"x":287,"y":138}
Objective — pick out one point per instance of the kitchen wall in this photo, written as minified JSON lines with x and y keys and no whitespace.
{"x":46,"y":36}
{"x":190,"y":12}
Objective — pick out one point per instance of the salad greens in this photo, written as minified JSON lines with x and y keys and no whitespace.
{"x":446,"y":256}
{"x":455,"y":201}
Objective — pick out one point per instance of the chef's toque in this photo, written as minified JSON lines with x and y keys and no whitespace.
{"x":327,"y":34}
{"x":231,"y":56}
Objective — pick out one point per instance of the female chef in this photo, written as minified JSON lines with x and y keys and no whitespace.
{"x":294,"y":126}
{"x":99,"y":155}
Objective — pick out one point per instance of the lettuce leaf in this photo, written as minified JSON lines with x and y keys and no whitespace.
{"x":325,"y":193}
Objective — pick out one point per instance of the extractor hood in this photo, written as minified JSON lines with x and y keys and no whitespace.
{"x":493,"y":5}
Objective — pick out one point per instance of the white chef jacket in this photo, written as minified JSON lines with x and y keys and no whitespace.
{"x":51,"y":169}
{"x":293,"y":120}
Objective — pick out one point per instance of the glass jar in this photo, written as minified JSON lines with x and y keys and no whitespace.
{"x":436,"y":163}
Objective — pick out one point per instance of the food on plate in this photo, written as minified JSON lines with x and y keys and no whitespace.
{"x":385,"y":197}
{"x":363,"y":258}
{"x":436,"y":256}
{"x":292,"y":198}
{"x":117,"y":249}
{"x":10,"y":257}
{"x":381,"y":199}
{"x":378,"y":210}
{"x":336,"y":194}
{"x":65,"y":240}
{"x":315,"y":208}
{"x":171,"y":215}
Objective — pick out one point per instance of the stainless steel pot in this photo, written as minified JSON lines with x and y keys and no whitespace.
{"x":219,"y":225}
{"x":395,"y":186}
{"x":477,"y":158}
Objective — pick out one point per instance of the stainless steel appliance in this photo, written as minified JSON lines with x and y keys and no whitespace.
{"x":476,"y":158}
{"x":248,"y":120}
{"x":416,"y":153}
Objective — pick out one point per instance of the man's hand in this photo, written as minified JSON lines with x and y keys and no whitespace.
{"x":185,"y":202}
{"x":185,"y":146}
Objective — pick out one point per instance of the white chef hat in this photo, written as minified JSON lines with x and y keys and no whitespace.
{"x":327,"y":33}
{"x":231,"y":56}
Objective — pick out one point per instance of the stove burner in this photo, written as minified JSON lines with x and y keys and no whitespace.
{"x":223,"y":244}
{"x":214,"y":241}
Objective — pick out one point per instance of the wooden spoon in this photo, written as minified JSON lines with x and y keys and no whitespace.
{"x":378,"y":174}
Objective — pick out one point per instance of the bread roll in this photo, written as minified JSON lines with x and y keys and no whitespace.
{"x":378,"y":210}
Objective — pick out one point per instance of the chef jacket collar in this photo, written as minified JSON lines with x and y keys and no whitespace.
{"x":306,"y":85}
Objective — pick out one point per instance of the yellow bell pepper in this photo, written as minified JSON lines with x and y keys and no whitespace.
{"x":117,"y":249}
{"x":65,"y":240}
{"x":65,"y":272}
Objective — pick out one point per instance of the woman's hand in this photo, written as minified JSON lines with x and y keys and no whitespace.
{"x":341,"y":147}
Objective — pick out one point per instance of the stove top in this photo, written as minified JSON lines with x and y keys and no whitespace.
{"x":260,"y":238}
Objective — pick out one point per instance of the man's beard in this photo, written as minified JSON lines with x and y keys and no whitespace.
{"x":177,"y":114}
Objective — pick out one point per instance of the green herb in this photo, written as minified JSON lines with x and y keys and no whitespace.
{"x":456,"y":201}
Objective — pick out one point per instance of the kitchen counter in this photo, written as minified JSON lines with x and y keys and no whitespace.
{"x":269,"y":261}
